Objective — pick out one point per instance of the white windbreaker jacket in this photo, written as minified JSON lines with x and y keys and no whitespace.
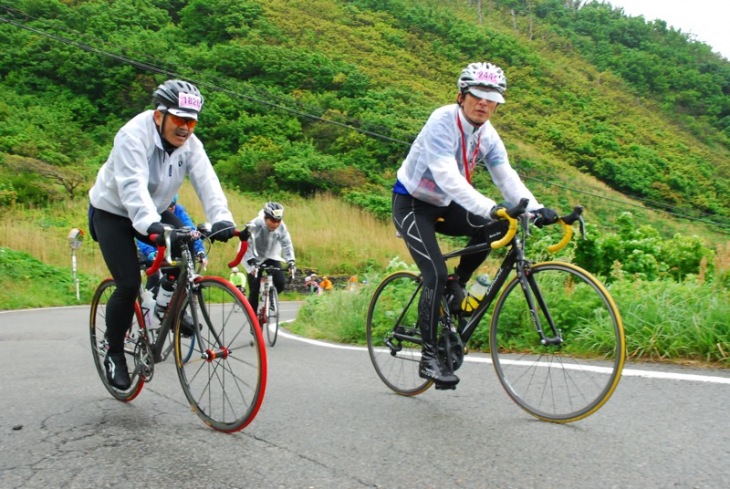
{"x":139,"y":179}
{"x":434,"y":171}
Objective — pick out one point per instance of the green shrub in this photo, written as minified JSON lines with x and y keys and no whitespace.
{"x":642,"y":253}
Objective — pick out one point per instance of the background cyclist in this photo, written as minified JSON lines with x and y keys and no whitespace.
{"x":238,"y":279}
{"x":152,"y":155}
{"x":433,"y":193}
{"x":269,"y":243}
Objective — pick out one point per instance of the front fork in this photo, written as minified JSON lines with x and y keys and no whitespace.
{"x":534,"y":298}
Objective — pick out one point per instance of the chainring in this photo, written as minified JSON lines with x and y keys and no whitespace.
{"x":451,"y":349}
{"x":143,"y":357}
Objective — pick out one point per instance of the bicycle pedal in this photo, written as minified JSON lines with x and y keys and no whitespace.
{"x":445,"y":387}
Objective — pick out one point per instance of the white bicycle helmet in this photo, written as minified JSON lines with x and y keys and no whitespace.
{"x":234,"y":269}
{"x":274,"y":210}
{"x":486,"y":75}
{"x":179,"y":98}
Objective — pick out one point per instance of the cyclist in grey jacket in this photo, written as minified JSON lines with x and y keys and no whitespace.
{"x":433,"y":193}
{"x":269,"y":243}
{"x":151,"y":157}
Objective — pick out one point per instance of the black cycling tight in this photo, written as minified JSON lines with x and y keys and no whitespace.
{"x":418,"y":222}
{"x":116,"y":241}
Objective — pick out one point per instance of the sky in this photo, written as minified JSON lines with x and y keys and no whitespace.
{"x":706,"y":20}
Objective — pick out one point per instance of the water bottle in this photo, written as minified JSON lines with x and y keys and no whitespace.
{"x":167,"y":285}
{"x":475,"y":294}
{"x":148,"y":305}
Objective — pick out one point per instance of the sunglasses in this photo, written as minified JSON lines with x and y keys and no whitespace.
{"x":180,"y":121}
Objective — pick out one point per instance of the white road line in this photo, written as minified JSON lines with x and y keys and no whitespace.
{"x":627,"y":372}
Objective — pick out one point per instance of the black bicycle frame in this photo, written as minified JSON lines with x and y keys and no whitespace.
{"x":505,"y":268}
{"x":515,"y":260}
{"x":176,"y":300}
{"x":514,"y":255}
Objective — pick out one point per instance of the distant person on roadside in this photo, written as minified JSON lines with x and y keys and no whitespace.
{"x":238,"y":278}
{"x":326,"y":284}
{"x":152,"y":155}
{"x":269,"y":243}
{"x":352,"y":283}
{"x":433,"y":193}
{"x":310,"y":282}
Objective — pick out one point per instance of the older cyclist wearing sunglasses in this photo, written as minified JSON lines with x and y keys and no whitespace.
{"x":152,"y":155}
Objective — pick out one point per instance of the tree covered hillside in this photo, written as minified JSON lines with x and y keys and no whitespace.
{"x":325,"y":95}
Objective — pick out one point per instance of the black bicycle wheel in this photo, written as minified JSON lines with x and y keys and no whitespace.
{"x":567,"y":381}
{"x":225,"y":378}
{"x":100,"y":345}
{"x":393,"y":336}
{"x":272,"y":325}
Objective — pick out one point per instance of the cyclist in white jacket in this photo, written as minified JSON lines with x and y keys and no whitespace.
{"x":152,"y":155}
{"x":433,"y":193}
{"x":269,"y":243}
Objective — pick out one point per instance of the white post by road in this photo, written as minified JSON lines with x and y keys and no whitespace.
{"x":75,"y":239}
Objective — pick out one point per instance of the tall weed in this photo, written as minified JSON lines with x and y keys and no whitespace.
{"x":329,"y":235}
{"x":663,"y":320}
{"x":666,"y":320}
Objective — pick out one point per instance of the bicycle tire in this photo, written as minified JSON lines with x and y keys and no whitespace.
{"x":560,"y":384}
{"x":187,"y":342}
{"x":100,"y":346}
{"x":272,"y":325}
{"x":394,"y":305}
{"x":187,"y":346}
{"x":225,"y":379}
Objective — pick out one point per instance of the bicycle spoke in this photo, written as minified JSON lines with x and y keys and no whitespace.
{"x":394,"y":310}
{"x":225,"y":383}
{"x":574,"y":374}
{"x":100,"y":346}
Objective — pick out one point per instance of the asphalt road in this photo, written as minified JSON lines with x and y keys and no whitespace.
{"x":328,"y":422}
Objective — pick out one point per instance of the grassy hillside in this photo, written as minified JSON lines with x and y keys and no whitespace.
{"x":324,"y":95}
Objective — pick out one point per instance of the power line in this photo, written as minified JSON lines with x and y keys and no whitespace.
{"x":301,"y":113}
{"x":202,"y":83}
{"x":666,"y":209}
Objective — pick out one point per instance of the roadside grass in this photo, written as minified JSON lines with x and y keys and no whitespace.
{"x":329,"y":235}
{"x":26,"y":282}
{"x":675,"y":321}
{"x":663,"y":320}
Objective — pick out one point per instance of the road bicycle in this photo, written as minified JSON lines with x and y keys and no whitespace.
{"x":224,"y":379}
{"x":556,"y":337}
{"x":268,"y":307}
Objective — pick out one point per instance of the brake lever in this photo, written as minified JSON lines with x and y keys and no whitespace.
{"x":582,"y":225}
